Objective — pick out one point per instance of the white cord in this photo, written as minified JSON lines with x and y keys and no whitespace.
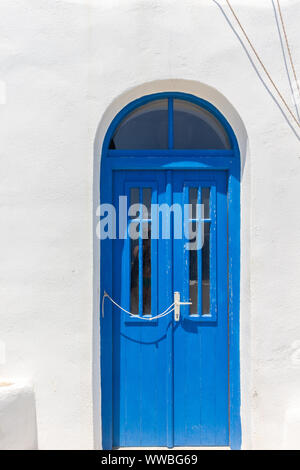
{"x":163,"y":314}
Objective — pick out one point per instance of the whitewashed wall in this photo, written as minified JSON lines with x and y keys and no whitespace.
{"x":67,"y":66}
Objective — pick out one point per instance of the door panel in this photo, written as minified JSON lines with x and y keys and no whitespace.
{"x":140,"y":348}
{"x":170,"y":379}
{"x":201,"y":339}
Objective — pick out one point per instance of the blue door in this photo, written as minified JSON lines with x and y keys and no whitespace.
{"x":170,"y":375}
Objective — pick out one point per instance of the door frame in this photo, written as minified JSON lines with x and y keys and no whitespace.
{"x":228,"y":160}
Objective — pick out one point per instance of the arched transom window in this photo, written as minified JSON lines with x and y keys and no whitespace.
{"x":167,"y":124}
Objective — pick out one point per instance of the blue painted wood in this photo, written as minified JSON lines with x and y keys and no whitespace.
{"x":149,"y":163}
{"x":234,"y":304}
{"x":166,"y":291}
{"x":106,"y":323}
{"x":171,"y":160}
{"x":170,"y":153}
{"x":169,"y":393}
{"x":211,"y":182}
{"x":140,"y":349}
{"x":214,"y":256}
{"x":146,"y":182}
{"x":201,"y":347}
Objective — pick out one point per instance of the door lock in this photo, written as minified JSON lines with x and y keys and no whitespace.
{"x":177,"y":304}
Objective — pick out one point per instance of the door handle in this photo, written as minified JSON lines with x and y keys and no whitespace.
{"x":177,"y":304}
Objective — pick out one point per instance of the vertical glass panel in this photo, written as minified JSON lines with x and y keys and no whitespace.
{"x":147,"y":193}
{"x":147,"y":270}
{"x":134,"y":197}
{"x":206,"y":202}
{"x":134,"y":276}
{"x":197,"y":128}
{"x":144,"y":128}
{"x":206,"y":270}
{"x":193,"y":195}
{"x":193,"y":274}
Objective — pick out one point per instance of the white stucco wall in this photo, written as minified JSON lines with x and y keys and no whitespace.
{"x":67,"y":66}
{"x":18,"y":429}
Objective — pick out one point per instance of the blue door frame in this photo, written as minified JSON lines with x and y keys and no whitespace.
{"x":228,"y":160}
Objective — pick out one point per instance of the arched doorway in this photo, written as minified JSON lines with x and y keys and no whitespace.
{"x":171,"y":381}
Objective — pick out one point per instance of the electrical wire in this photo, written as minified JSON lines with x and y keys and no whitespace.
{"x":263,"y":66}
{"x":288,"y":47}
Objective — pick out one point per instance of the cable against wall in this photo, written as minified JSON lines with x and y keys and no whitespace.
{"x":263,"y":66}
